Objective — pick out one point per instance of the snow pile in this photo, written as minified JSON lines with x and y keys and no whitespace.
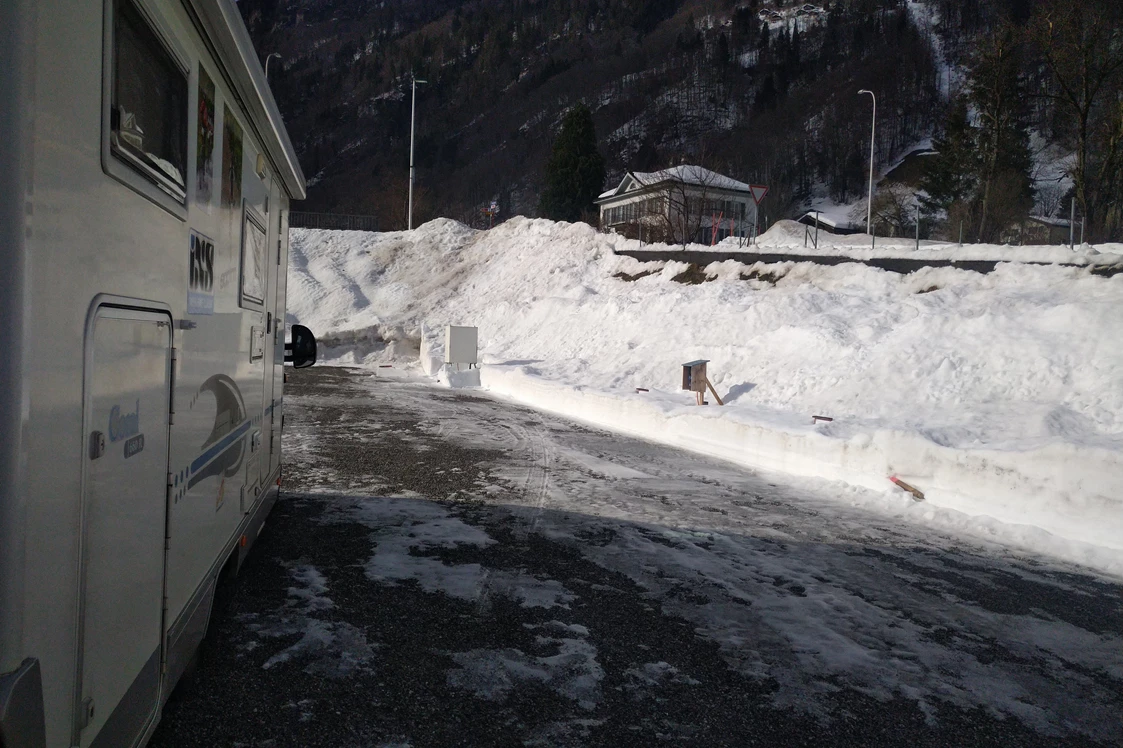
{"x":997,"y":394}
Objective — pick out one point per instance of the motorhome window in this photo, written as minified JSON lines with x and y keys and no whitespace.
{"x":149,"y":107}
{"x":253,"y":260}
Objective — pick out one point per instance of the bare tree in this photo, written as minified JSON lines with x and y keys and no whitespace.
{"x":995,"y":90}
{"x":894,"y":209}
{"x":1081,"y":44}
{"x":689,"y":199}
{"x":1049,"y":197}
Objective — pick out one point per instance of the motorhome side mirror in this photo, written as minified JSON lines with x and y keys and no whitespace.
{"x":301,"y":351}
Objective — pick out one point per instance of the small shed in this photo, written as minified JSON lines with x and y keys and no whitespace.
{"x":830,"y":224}
{"x":694,"y":375}
{"x":1046,"y":230}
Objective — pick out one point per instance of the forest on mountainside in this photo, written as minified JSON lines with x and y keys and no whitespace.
{"x":765,"y":92}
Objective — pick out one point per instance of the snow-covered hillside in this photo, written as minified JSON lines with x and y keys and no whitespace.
{"x":997,"y":394}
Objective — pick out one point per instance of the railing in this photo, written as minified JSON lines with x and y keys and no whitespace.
{"x":334,"y":221}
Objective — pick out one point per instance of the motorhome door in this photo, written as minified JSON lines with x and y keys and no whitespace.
{"x":128,"y":372}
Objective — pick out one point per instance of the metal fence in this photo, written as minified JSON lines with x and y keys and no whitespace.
{"x":902,"y":265}
{"x":334,"y":221}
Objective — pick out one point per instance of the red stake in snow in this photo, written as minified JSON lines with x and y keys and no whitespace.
{"x":905,"y":486}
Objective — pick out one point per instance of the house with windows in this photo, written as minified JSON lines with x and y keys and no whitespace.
{"x":683,"y":204}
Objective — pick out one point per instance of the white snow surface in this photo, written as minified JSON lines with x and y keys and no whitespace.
{"x":999,"y":395}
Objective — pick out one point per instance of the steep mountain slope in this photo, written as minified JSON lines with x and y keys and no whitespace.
{"x":760,"y":91}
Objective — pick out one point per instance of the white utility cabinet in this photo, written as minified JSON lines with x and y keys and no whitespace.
{"x":461,"y":345}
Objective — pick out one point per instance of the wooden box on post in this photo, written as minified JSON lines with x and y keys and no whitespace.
{"x":694,"y":375}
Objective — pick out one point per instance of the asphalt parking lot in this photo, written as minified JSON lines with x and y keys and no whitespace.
{"x":443,"y":568}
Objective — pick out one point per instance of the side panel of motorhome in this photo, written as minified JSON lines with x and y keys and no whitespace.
{"x":128,"y":384}
{"x":140,"y":214}
{"x":20,"y":674}
{"x":17,"y":104}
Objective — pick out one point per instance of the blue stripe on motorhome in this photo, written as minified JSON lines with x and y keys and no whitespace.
{"x":219,"y":447}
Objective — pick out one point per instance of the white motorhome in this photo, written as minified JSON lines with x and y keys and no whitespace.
{"x":145,"y":180}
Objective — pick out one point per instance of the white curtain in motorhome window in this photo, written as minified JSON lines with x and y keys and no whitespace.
{"x":253,"y":261}
{"x":149,"y":121}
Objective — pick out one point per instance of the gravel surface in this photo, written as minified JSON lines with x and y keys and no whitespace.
{"x":443,"y":568}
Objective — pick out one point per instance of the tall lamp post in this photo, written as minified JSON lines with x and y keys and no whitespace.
{"x":267,"y":59}
{"x":873,"y":140}
{"x":412,"y":118}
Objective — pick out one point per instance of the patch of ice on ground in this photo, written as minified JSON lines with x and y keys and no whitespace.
{"x":653,"y":674}
{"x":559,"y":628}
{"x":309,"y":592}
{"x":530,"y":591}
{"x":427,"y":525}
{"x":598,"y":466}
{"x":811,"y":617}
{"x":570,"y":669}
{"x":333,"y":649}
{"x":404,"y":530}
{"x":304,"y":706}
{"x":565,"y":732}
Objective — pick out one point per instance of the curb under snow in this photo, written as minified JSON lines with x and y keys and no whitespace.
{"x":1068,"y":492}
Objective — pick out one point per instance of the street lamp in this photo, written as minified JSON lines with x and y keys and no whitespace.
{"x":412,"y":117}
{"x":873,"y":140}
{"x":267,"y":59}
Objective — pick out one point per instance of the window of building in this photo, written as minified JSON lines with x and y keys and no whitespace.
{"x":148,"y":115}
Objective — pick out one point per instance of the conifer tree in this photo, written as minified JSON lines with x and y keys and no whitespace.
{"x":981,"y":177}
{"x":575,"y":170}
{"x":951,"y":175}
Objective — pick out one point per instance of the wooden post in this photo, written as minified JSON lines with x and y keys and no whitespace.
{"x":716,"y":397}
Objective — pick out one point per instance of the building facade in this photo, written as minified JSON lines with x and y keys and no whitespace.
{"x":681,"y":205}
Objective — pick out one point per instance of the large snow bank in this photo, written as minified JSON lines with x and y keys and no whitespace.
{"x":998,"y":394}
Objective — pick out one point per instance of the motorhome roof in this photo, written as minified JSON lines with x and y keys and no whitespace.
{"x":223,"y":25}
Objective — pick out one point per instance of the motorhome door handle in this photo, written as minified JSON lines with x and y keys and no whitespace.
{"x":97,"y":444}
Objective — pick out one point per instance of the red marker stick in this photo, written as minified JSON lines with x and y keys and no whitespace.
{"x":911,"y":489}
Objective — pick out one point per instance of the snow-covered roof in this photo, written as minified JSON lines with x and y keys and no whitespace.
{"x":824,"y":218}
{"x":689,"y":174}
{"x":686,"y":173}
{"x":1050,"y":221}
